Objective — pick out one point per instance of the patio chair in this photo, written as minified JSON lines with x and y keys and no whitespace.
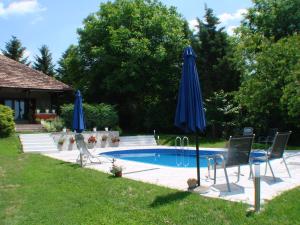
{"x":85,"y":154}
{"x":238,"y":154}
{"x":269,"y":138}
{"x":248,"y":131}
{"x":276,"y":151}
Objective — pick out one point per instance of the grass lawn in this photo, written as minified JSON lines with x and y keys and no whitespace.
{"x":35,"y":189}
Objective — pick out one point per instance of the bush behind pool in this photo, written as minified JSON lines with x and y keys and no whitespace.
{"x":100,"y":115}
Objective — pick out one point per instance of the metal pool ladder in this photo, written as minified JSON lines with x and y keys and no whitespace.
{"x":181,"y":145}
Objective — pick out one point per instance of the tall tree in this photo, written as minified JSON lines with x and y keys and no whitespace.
{"x":267,"y":53}
{"x":44,"y":61}
{"x":131,"y":54}
{"x":274,"y":18}
{"x":15,"y":50}
{"x":70,"y":70}
{"x":215,"y":56}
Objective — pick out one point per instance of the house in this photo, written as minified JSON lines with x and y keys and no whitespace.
{"x":30,"y":93}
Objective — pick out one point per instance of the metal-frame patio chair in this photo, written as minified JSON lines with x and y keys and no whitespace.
{"x":85,"y":155}
{"x":269,"y":138}
{"x":276,"y":151}
{"x":238,"y":154}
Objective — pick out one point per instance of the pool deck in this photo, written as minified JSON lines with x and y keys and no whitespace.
{"x":176,"y":178}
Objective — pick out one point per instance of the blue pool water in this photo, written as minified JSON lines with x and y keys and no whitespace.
{"x":164,"y":157}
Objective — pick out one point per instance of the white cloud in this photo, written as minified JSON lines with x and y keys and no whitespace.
{"x":193,"y":24}
{"x":27,"y":53}
{"x":238,"y":15}
{"x":21,"y":7}
{"x":230,"y":30}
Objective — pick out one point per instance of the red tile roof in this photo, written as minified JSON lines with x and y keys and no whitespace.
{"x":17,"y":75}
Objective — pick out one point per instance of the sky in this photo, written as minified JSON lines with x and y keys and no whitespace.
{"x":54,"y":22}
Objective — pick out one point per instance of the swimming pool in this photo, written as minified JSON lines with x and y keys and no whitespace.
{"x":167,"y":157}
{"x":164,"y":157}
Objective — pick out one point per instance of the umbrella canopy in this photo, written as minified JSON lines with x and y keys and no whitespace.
{"x":78,"y":115}
{"x":190,"y":116}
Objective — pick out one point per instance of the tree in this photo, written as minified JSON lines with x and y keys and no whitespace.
{"x":15,"y":50}
{"x":222,"y":114}
{"x":274,"y":18}
{"x":270,"y":95}
{"x":214,"y":61}
{"x":43,"y":62}
{"x":131,"y":55}
{"x":267,"y":55}
{"x":70,"y":70}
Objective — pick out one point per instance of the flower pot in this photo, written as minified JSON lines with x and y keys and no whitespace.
{"x":115,"y":144}
{"x":192,"y":183}
{"x":103,"y":144}
{"x":91,"y":145}
{"x":118,"y":174}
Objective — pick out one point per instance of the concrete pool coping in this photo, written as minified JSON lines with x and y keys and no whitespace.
{"x":176,"y":178}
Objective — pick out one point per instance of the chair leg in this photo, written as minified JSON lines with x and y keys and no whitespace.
{"x":209,"y":167}
{"x":271,"y":170}
{"x":215,"y":172}
{"x":266,"y":167}
{"x":227,"y":180}
{"x":239,"y":173}
{"x":251,"y":172}
{"x":286,"y":167}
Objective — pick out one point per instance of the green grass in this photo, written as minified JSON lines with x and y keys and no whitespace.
{"x":35,"y":189}
{"x":169,"y":139}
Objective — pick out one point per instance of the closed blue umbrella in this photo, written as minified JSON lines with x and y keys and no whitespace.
{"x":190,"y":116}
{"x":78,"y":115}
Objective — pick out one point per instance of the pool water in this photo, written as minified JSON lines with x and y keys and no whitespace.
{"x":163,"y":157}
{"x":166,"y":157}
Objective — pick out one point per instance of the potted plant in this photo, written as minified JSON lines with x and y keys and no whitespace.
{"x":72,"y":140}
{"x":103,"y":141}
{"x":47,"y":110}
{"x":192,"y":183}
{"x":61,"y":142}
{"x":115,"y":141}
{"x":92,"y":141}
{"x":71,"y":143}
{"x":38,"y":111}
{"x":116,"y":170}
{"x":53,"y":111}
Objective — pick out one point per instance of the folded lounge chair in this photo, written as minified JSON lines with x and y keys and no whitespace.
{"x":85,"y":155}
{"x":276,"y":151}
{"x":238,"y":154}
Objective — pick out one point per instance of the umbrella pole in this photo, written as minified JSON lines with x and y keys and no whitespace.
{"x":197,"y":159}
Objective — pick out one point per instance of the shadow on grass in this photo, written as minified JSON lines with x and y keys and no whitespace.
{"x":73,"y":165}
{"x":169,"y":198}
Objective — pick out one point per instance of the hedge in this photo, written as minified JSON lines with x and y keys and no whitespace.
{"x":7,"y":124}
{"x":100,"y":115}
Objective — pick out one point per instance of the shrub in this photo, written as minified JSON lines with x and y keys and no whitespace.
{"x":100,"y":116}
{"x":7,"y":124}
{"x":53,"y":125}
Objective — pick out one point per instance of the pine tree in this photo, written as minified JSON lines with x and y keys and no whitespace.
{"x":44,"y":61}
{"x":214,"y":57}
{"x":15,"y":51}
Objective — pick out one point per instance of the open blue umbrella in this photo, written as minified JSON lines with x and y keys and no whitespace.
{"x":190,"y":116}
{"x":78,"y":115}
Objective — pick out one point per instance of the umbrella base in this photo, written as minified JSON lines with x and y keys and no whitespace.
{"x":201,"y":189}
